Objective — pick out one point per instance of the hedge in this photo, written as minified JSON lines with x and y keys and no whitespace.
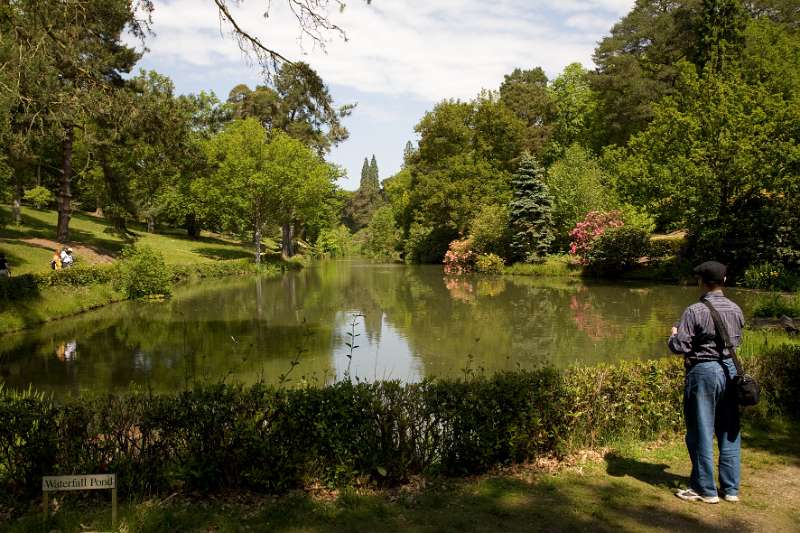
{"x":28,"y":285}
{"x":271,"y":439}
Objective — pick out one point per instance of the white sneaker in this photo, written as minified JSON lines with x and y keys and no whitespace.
{"x":691,"y":496}
{"x":731,"y":498}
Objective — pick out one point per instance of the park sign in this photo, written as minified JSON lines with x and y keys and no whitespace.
{"x":58,"y":483}
{"x":81,"y":482}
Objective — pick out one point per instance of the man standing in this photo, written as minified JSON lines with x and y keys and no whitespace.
{"x":709,"y":399}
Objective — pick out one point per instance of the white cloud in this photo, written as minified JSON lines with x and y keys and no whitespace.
{"x":428,"y":49}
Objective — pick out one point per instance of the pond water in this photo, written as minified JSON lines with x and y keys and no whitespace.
{"x":410,"y":322}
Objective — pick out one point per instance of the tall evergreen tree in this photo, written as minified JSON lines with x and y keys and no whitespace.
{"x":374,"y":177}
{"x":364,"y":175}
{"x":530,"y":212}
{"x":366,"y":199}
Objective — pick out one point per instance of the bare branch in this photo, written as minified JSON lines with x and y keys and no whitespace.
{"x":312,"y":18}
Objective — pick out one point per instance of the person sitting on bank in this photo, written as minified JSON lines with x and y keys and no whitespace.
{"x":55,"y":262}
{"x":5,"y":269}
{"x":66,"y":257}
{"x":709,"y":398}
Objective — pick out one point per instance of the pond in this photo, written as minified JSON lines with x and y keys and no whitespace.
{"x":409,"y":322}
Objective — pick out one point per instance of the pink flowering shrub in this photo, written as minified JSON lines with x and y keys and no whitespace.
{"x":593,"y":225}
{"x":459,"y":259}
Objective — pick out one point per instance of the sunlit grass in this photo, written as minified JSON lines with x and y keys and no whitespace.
{"x":38,"y":228}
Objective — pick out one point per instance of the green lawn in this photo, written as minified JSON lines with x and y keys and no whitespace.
{"x":625,"y":488}
{"x":30,"y":245}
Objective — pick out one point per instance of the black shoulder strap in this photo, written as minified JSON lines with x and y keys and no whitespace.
{"x":722,"y":333}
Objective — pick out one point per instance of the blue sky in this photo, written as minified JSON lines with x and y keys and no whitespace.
{"x":399,"y":59}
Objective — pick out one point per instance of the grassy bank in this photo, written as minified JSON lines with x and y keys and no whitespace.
{"x":51,"y":299}
{"x":30,"y":245}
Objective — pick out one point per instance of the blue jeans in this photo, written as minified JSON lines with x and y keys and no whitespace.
{"x":710,"y":408}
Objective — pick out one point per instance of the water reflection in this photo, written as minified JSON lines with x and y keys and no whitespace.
{"x":416,"y":322}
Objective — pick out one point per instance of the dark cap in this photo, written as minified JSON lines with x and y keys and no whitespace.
{"x":711,"y":272}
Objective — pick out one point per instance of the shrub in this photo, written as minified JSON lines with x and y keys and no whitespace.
{"x":616,"y":250}
{"x":593,"y":225}
{"x":335,"y":242}
{"x":489,"y":264}
{"x":490,"y":232}
{"x":142,"y":272}
{"x":459,"y":259}
{"x":777,"y":305}
{"x":426,"y":244}
{"x":770,"y":276}
{"x":271,"y":439}
{"x":39,"y":196}
{"x":381,"y":236}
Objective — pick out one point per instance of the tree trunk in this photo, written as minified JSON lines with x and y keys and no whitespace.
{"x":16,"y":208}
{"x":257,"y":242}
{"x":64,"y":194}
{"x":151,"y":224}
{"x":287,"y":246}
{"x":192,"y":227}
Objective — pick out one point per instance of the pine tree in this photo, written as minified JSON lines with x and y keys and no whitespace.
{"x":366,"y":199}
{"x":364,"y":175}
{"x":530,"y":212}
{"x":373,"y":173}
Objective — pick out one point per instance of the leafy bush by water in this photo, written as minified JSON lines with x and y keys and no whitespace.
{"x":776,"y":305}
{"x":616,"y":250}
{"x":770,"y":276}
{"x":489,"y":264}
{"x":142,"y":272}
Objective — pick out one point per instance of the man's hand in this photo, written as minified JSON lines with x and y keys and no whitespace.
{"x":674,"y":330}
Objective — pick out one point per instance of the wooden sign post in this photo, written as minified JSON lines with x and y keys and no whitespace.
{"x":96,"y":482}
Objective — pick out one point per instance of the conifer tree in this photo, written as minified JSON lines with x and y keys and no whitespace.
{"x":366,"y":199}
{"x":530,"y":212}
{"x":375,"y":179}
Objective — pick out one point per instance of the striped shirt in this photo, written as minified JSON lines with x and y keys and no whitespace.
{"x":696,"y":339}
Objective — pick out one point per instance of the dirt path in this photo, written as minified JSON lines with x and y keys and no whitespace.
{"x":85,"y":253}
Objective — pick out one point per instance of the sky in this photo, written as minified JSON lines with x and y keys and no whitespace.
{"x":399,"y":59}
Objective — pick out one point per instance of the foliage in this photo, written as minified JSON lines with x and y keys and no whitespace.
{"x":578,"y":185}
{"x":770,"y":276}
{"x":779,"y":371}
{"x":141,"y":272}
{"x":530,"y":215}
{"x":489,"y":264}
{"x":335,"y":242}
{"x":427,"y":244}
{"x":703,"y":163}
{"x":260,"y":179}
{"x":616,"y":250}
{"x":525,"y":93}
{"x":460,"y":258}
{"x":490,"y":231}
{"x":777,"y":305}
{"x":381,"y":237}
{"x":39,"y":196}
{"x":554,"y":266}
{"x":590,"y":228}
{"x":575,"y":112}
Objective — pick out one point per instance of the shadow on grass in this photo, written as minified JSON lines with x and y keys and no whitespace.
{"x":224,"y":253}
{"x":496,"y":504}
{"x":777,"y":437}
{"x":650,"y":473}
